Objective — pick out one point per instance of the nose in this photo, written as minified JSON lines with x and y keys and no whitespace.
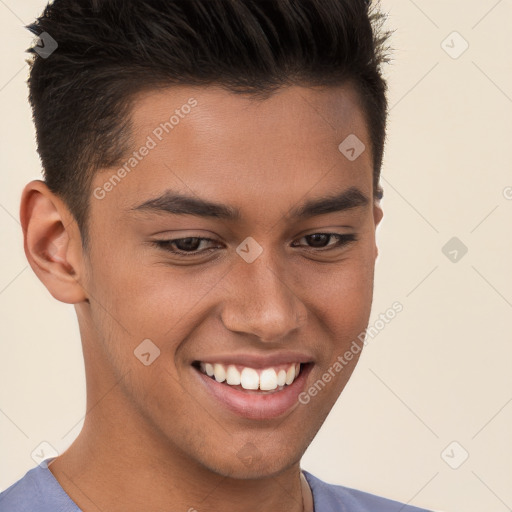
{"x":261,"y":301}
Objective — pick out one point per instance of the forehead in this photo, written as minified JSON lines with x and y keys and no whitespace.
{"x":295,"y":113}
{"x":244,"y":150}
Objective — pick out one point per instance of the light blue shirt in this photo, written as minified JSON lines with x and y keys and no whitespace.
{"x":39,"y":491}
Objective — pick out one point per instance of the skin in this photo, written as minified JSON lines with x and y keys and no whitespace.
{"x":264,"y":157}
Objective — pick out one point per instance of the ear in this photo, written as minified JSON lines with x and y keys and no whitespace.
{"x":377,"y":217}
{"x":52,"y":242}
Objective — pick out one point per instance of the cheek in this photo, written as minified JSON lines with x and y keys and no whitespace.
{"x":146,"y":296}
{"x":342,"y":311}
{"x":137,"y":301}
{"x":340,"y":295}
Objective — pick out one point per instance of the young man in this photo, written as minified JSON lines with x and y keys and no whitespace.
{"x":210,"y":203}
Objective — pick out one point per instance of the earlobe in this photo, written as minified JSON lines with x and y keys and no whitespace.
{"x":377,"y":214}
{"x":52,"y":242}
{"x":377,"y":217}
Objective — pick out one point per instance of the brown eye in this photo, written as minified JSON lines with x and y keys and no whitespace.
{"x":321,"y":240}
{"x":188,"y":244}
{"x":184,"y":246}
{"x":318,"y":239}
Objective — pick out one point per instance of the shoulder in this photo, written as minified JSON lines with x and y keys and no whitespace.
{"x":37,"y":491}
{"x":337,"y":498}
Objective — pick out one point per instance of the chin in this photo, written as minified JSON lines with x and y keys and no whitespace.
{"x":257,"y":470}
{"x":249,"y":464}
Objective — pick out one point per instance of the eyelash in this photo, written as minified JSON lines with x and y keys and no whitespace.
{"x":166,"y":244}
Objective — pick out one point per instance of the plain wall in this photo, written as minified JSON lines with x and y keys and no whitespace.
{"x":439,"y":372}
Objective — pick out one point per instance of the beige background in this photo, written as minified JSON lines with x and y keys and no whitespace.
{"x":439,"y":372}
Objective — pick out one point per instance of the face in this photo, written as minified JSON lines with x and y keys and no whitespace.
{"x":240,"y":241}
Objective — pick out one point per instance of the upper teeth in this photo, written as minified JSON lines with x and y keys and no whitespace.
{"x":265,"y":379}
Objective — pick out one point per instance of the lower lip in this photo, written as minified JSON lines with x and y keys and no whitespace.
{"x":257,"y":406}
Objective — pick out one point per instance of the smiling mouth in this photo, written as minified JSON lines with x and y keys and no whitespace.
{"x":251,"y":380}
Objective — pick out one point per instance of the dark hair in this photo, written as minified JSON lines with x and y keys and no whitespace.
{"x":109,"y":50}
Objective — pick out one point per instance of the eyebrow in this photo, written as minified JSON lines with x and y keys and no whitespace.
{"x":176,"y":203}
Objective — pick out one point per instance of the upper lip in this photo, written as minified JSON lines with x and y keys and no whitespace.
{"x":255,"y":361}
